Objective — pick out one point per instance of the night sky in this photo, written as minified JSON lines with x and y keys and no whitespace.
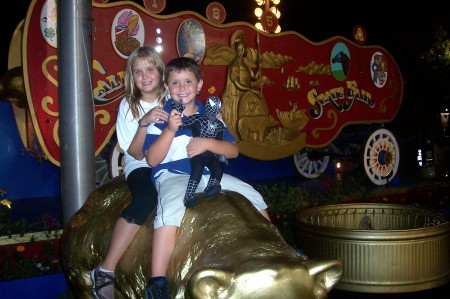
{"x":405,"y":34}
{"x":317,"y":20}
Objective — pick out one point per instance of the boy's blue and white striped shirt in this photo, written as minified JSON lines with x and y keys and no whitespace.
{"x":176,"y":159}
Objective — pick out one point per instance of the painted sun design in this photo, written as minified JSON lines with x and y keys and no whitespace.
{"x":382,"y":157}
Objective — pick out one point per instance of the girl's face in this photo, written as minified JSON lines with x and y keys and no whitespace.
{"x":183,"y":86}
{"x":147,"y":78}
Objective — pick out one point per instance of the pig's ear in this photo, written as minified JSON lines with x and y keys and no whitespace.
{"x":328,"y":272}
{"x":209,"y":283}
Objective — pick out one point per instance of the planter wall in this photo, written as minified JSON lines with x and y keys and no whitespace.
{"x":385,"y":248}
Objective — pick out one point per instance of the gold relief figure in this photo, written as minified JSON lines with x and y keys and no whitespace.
{"x":315,"y":69}
{"x":224,"y":54}
{"x":314,"y":83}
{"x":291,"y":83}
{"x":239,"y":82}
{"x":218,"y":55}
{"x":12,"y":88}
{"x":273,"y":60}
{"x":294,"y":119}
{"x":244,"y":107}
{"x":255,"y":127}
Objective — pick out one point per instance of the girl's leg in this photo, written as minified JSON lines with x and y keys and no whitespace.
{"x":103,"y":276}
{"x":121,"y":237}
{"x":143,"y":201}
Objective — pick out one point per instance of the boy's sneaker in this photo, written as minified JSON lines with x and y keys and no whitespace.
{"x":157,"y":288}
{"x":102,"y":284}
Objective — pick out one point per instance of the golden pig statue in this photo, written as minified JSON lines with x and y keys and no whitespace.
{"x":225,"y":249}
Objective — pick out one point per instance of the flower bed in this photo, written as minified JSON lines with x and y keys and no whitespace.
{"x":20,"y":257}
{"x":27,"y":248}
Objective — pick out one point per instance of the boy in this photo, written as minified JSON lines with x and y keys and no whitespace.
{"x":168,"y":149}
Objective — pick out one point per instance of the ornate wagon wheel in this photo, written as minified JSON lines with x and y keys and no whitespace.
{"x":101,"y":170}
{"x":116,"y":163}
{"x":109,"y":163}
{"x":311,"y":163}
{"x":381,"y":157}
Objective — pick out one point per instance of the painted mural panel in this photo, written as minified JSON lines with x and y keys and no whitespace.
{"x":281,"y":92}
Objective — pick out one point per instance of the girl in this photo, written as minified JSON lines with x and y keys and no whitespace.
{"x":141,"y":106}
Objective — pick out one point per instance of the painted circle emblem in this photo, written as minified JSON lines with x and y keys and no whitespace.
{"x":127,"y":32}
{"x":155,"y":6}
{"x":340,"y":61}
{"x":216,"y":13}
{"x":269,"y":21}
{"x":359,"y":34}
{"x":48,"y":23}
{"x":191,"y":40}
{"x":378,"y":69}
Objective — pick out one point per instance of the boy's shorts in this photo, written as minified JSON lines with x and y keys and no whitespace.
{"x":171,"y":189}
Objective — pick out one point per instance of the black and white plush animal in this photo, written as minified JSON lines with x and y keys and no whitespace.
{"x":208,"y":126}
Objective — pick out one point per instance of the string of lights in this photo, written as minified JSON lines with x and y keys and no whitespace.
{"x":268,"y":15}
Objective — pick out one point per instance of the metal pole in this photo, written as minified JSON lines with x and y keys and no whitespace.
{"x":76,"y":105}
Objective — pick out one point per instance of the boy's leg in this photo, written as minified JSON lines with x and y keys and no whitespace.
{"x":234,"y":184}
{"x":169,"y":214}
{"x":162,"y":248}
{"x":171,"y":188}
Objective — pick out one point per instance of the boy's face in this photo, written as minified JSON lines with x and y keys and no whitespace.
{"x":183,"y":86}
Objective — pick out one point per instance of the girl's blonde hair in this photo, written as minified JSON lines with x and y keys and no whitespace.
{"x":132,"y":93}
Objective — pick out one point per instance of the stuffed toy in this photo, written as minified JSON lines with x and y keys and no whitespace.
{"x":208,"y":126}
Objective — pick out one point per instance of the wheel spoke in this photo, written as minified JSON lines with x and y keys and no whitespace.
{"x":310,"y":169}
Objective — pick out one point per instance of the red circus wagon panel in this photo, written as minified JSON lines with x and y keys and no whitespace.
{"x":281,"y":92}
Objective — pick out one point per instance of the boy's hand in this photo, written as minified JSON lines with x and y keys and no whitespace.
{"x":196,"y":146}
{"x":174,"y":121}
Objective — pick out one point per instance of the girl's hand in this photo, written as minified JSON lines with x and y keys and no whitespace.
{"x":157,"y":116}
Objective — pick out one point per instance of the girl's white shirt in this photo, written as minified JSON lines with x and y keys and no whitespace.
{"x":126,"y":127}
